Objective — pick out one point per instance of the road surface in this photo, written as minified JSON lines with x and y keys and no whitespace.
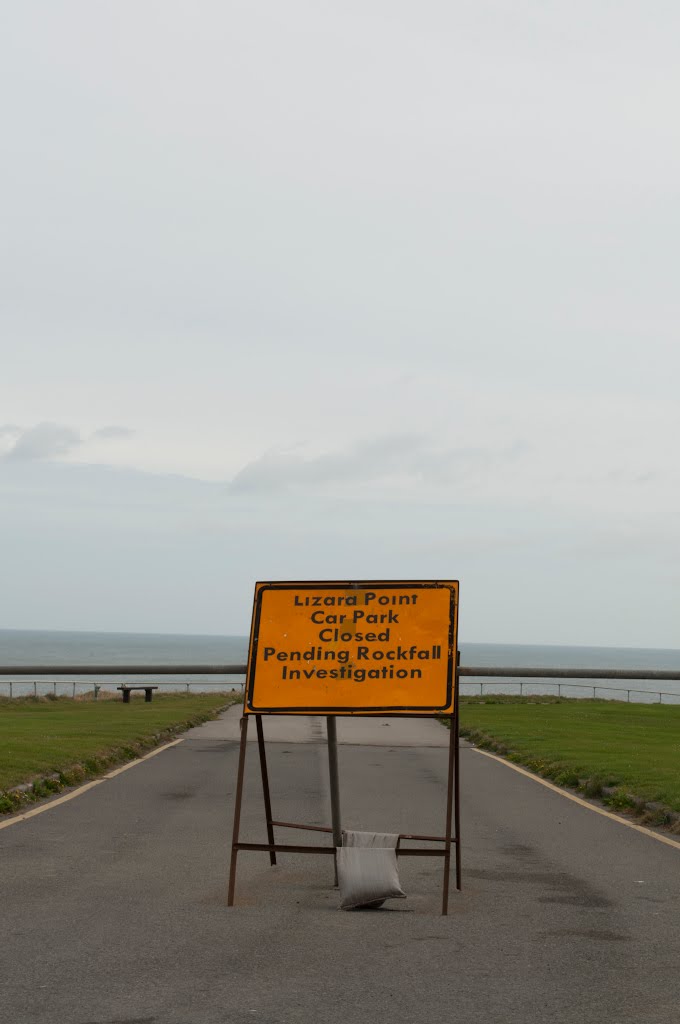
{"x":113,"y":905}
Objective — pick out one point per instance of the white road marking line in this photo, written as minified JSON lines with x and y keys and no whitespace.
{"x":577,"y":800}
{"x":88,"y":785}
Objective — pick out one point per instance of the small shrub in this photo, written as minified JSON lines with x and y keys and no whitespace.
{"x":566,"y":778}
{"x":620,"y":800}
{"x":593,"y":788}
{"x":9,"y":802}
{"x":72,"y":776}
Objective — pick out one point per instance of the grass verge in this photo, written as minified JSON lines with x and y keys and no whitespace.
{"x":623,"y":754}
{"x":47,"y":744}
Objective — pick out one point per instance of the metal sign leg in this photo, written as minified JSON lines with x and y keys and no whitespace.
{"x":265,"y":786}
{"x":334,"y":785}
{"x":449,"y":803}
{"x":456,"y":805}
{"x":237,"y":810}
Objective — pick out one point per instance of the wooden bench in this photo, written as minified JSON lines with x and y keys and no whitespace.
{"x":148,"y":691}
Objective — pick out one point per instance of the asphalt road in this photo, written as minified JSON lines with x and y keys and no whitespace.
{"x":113,"y":905}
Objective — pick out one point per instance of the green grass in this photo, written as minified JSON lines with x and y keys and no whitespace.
{"x":42,"y":737}
{"x":635,"y":747}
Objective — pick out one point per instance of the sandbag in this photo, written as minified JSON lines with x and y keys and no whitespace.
{"x":366,"y":840}
{"x":367,"y":869}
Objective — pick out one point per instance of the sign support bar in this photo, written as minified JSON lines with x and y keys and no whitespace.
{"x":334,"y":780}
{"x":272,"y":847}
{"x":452,"y":791}
{"x":237,"y":810}
{"x":265,"y":787}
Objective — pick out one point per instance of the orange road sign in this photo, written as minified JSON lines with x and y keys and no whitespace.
{"x":362,"y":648}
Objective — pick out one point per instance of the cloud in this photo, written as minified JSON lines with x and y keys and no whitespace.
{"x":51,"y":440}
{"x":44,"y":441}
{"x":9,"y":432}
{"x":112,"y":433}
{"x":277,"y":469}
{"x":406,"y":457}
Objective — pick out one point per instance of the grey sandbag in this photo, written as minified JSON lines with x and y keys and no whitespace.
{"x":383,"y":840}
{"x":367,"y":869}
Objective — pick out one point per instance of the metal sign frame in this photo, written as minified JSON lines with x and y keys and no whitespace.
{"x":451,"y":837}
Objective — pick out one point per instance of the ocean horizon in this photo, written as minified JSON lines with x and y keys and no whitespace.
{"x":63,"y":647}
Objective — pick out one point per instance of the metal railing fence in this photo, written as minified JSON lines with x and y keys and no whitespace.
{"x":115,"y":671}
{"x":593,"y":691}
{"x":503,"y":674}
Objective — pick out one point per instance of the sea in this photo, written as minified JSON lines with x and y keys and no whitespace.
{"x":43,"y":647}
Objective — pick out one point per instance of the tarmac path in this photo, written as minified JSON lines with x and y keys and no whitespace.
{"x":113,"y":905}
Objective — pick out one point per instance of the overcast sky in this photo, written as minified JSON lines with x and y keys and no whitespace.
{"x":313,"y":290}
